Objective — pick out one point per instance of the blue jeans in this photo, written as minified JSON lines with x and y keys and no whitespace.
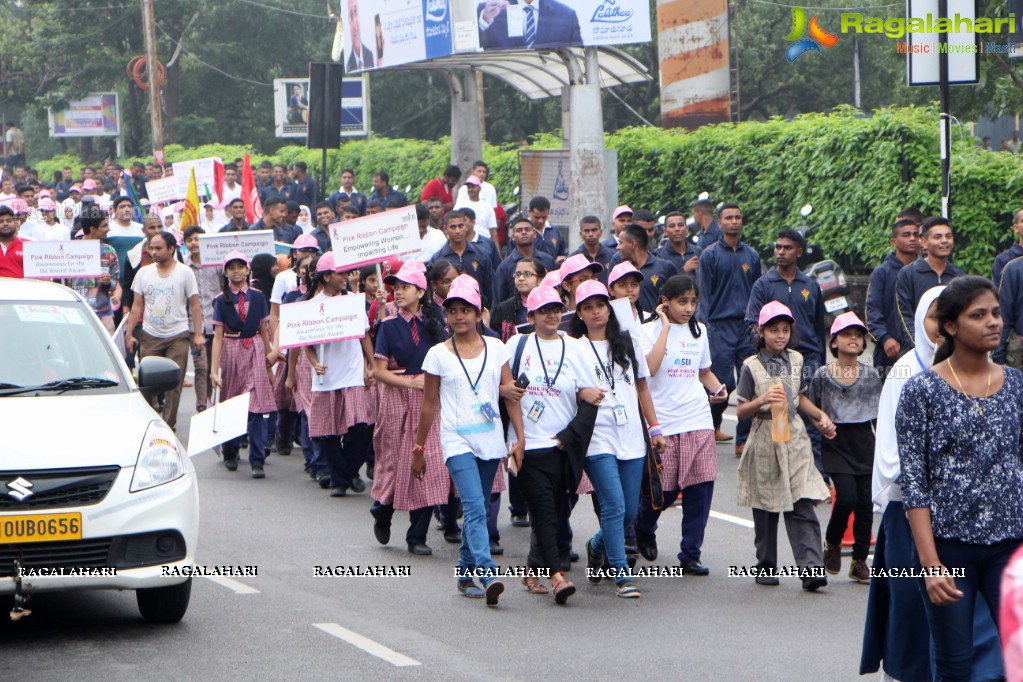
{"x":474,"y":477}
{"x":617,"y":483}
{"x":952,"y":626}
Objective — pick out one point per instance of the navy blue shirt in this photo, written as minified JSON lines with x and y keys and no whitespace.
{"x":304,"y":192}
{"x":377,"y":196}
{"x":709,"y":236}
{"x":323,"y":239}
{"x":551,"y":243}
{"x":230,"y":227}
{"x":604,"y":257}
{"x":1002,"y":259}
{"x":726,"y":279}
{"x":504,"y":280}
{"x":286,"y":233}
{"x":394,"y":340}
{"x":668,"y":253}
{"x":806,"y":301}
{"x":487,"y":246}
{"x":611,"y":243}
{"x":882,"y":314}
{"x":473,"y":262}
{"x":1010,"y":298}
{"x":910,"y":285}
{"x":286,"y":192}
{"x":357,"y":197}
{"x":655,"y":273}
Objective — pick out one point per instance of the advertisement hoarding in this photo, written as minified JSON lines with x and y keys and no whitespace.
{"x":97,"y":115}
{"x":291,"y":107}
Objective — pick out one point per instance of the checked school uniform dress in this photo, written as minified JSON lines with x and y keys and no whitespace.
{"x":404,"y":341}
{"x":242,"y":358}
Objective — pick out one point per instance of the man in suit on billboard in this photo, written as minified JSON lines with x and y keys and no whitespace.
{"x":361,"y":57}
{"x":527,"y":24}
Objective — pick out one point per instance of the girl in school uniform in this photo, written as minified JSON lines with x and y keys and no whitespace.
{"x":678,"y":356}
{"x":780,"y":478}
{"x":339,"y":405}
{"x":402,"y":343}
{"x":291,"y":360}
{"x":617,"y":449}
{"x":848,"y":391}
{"x":441,"y":274}
{"x":467,"y":374}
{"x":625,"y":282}
{"x":240,"y":314}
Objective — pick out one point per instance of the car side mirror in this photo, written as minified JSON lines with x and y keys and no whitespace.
{"x":157,"y":375}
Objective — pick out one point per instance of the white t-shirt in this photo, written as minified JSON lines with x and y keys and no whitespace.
{"x":679,"y":397}
{"x":133,"y":230}
{"x":463,"y":427}
{"x":43,"y":232}
{"x":431,"y":242}
{"x":487,"y":194}
{"x":625,"y":441}
{"x":285,"y":281}
{"x":166,"y":299}
{"x":344,"y":360}
{"x":486,"y":219}
{"x":550,"y":396}
{"x":231,"y":194}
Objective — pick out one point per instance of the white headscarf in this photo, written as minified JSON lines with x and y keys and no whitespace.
{"x":884,"y":485}
{"x":305,"y":220}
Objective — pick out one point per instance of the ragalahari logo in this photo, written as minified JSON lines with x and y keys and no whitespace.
{"x":819,"y":37}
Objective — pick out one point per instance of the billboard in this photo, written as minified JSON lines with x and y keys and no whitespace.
{"x":97,"y":115}
{"x":382,"y":33}
{"x":545,"y":172}
{"x":291,"y":107}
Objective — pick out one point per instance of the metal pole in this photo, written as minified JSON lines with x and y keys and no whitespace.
{"x":152,"y":75}
{"x":944,"y":123}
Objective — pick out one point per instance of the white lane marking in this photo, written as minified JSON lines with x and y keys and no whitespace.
{"x":730,"y":417}
{"x":745,"y":523}
{"x":233,"y":585}
{"x":368,"y":645}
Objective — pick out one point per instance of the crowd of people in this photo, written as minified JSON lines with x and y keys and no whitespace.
{"x":604,"y":371}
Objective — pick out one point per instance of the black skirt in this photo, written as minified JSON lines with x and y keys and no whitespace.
{"x":851,"y":451}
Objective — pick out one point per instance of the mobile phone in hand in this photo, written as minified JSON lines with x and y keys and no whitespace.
{"x":522,"y":381}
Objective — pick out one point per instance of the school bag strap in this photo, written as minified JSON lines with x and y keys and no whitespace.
{"x":518,"y":355}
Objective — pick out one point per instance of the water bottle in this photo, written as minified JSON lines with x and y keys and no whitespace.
{"x":780,"y":419}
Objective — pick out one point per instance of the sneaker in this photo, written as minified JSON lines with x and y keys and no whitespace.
{"x":721,"y":437}
{"x":494,"y":590}
{"x":257,"y":472}
{"x":832,"y":558}
{"x":860,"y":572}
{"x":594,"y":562}
{"x":469,"y":588}
{"x":627,"y":590}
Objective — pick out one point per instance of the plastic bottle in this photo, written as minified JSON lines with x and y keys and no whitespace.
{"x":780,"y":419}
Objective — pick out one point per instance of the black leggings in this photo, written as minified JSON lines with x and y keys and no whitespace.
{"x":852,"y":496}
{"x":542,"y":482}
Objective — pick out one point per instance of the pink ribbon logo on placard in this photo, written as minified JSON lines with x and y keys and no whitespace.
{"x":62,"y":248}
{"x":322,"y":311}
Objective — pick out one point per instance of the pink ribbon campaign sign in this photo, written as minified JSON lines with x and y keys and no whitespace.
{"x":53,"y":260}
{"x":213,"y":247}
{"x":322,"y":320}
{"x":375,"y":238}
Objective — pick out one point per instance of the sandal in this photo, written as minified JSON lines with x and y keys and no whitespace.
{"x":533,"y":585}
{"x":563,"y":590}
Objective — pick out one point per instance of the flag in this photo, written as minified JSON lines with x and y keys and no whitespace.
{"x":218,"y":180}
{"x":250,"y":195}
{"x":190,"y":214}
{"x":129,"y":191}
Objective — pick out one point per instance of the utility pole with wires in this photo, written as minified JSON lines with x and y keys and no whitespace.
{"x":154,"y":80}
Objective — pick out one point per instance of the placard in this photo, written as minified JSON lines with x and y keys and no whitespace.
{"x":627,"y":319}
{"x":213,"y":247}
{"x":203,"y":175}
{"x":71,"y":259}
{"x":163,"y":191}
{"x":323,"y":320}
{"x":375,"y":238}
{"x":218,"y":424}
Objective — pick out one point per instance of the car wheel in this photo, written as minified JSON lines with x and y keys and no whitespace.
{"x":164,"y":604}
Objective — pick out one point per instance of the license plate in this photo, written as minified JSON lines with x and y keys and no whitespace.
{"x":40,"y":527}
{"x":833,"y":304}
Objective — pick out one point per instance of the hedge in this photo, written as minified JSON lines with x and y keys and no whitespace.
{"x":848,"y":165}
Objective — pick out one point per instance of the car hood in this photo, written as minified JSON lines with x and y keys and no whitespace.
{"x":73,"y":430}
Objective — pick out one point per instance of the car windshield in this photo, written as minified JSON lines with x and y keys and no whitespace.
{"x":56,"y":347}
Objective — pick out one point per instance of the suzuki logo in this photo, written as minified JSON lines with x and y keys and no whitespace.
{"x":20,"y":489}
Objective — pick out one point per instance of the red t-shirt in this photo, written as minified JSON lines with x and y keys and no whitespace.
{"x":12,"y":263}
{"x":437,"y":189}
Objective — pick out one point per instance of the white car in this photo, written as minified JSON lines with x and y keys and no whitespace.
{"x":96,"y":491}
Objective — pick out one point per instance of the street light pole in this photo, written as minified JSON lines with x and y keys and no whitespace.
{"x":153,"y":78}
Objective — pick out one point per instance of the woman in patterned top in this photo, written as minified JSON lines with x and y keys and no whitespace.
{"x":960,"y":426}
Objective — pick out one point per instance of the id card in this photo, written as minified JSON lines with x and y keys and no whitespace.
{"x":621,"y":418}
{"x":515,"y":21}
{"x":487,"y":410}
{"x":536,"y":411}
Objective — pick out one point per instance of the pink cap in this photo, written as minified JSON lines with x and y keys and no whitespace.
{"x":542,"y":296}
{"x":19,"y":206}
{"x":772,"y":310}
{"x":410,"y":273}
{"x":306,"y":241}
{"x":89,"y":184}
{"x":326,"y":262}
{"x":47,"y":204}
{"x":621,"y":270}
{"x":75,"y":188}
{"x":236,"y":255}
{"x":465,"y":288}
{"x":578,"y":263}
{"x":473,"y":180}
{"x":44,"y":193}
{"x":846,"y":320}
{"x":551,"y":279}
{"x":620,"y":210}
{"x":589,"y":289}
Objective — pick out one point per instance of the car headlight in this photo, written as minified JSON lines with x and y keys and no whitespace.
{"x":160,"y":458}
